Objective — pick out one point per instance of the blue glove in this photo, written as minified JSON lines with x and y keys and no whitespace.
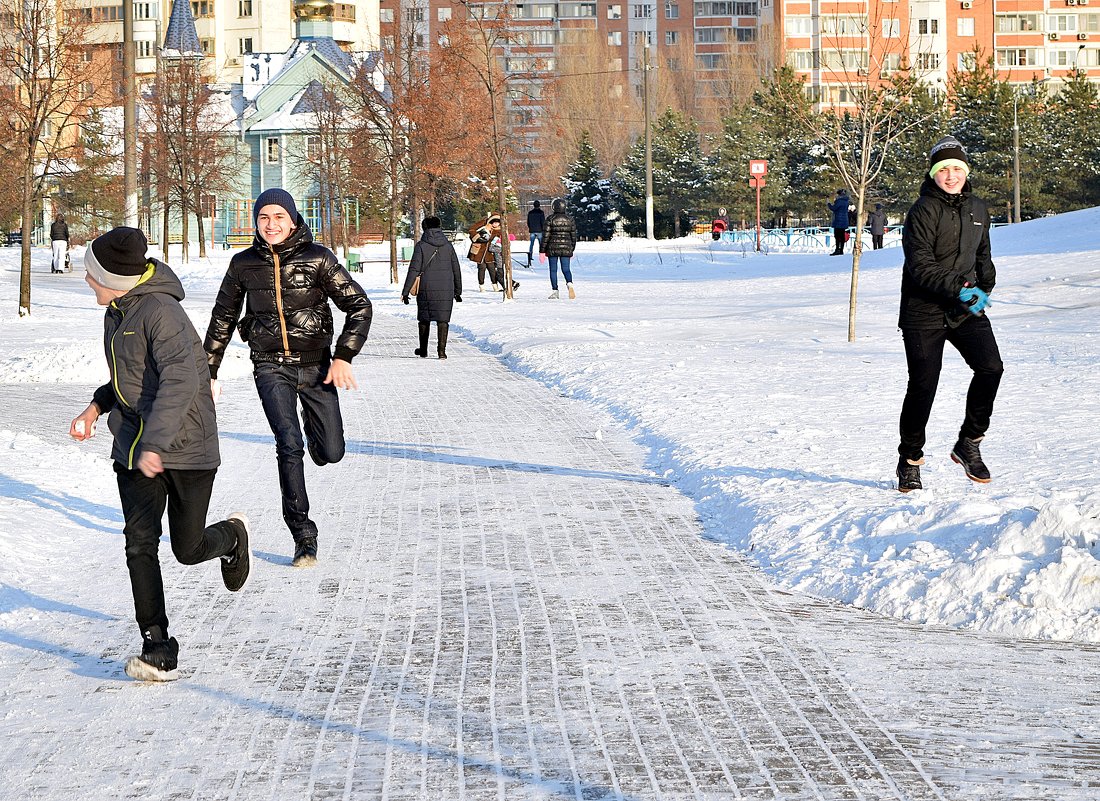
{"x":974,"y":299}
{"x":405,"y":299}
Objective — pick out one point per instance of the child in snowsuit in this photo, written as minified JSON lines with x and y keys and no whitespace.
{"x":166,"y":434}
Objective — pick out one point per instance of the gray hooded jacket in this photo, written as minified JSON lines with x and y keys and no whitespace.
{"x":159,"y":393}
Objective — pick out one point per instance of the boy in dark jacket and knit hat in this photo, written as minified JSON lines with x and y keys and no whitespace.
{"x":284,"y":282}
{"x":166,"y":434}
{"x":946,"y":281}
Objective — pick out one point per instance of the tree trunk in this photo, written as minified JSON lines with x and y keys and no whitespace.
{"x":202,"y":232}
{"x":164,"y":223}
{"x":394,"y":278}
{"x":25,"y":247}
{"x":857,"y":254}
{"x":184,"y":255}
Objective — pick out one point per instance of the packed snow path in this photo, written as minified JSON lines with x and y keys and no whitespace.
{"x":508,"y":605}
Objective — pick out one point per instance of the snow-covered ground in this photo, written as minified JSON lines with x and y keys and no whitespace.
{"x":733,"y":369}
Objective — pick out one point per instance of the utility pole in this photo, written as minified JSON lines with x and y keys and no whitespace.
{"x":648,"y":143}
{"x":129,"y":116}
{"x":1015,"y":162}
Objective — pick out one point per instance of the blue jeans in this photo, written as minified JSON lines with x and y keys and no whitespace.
{"x":531,"y":245}
{"x":281,"y":387}
{"x":554,"y":270}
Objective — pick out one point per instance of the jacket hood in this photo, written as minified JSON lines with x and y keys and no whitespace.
{"x":163,"y":280}
{"x":930,"y":189}
{"x":301,"y":235}
{"x":434,"y":237}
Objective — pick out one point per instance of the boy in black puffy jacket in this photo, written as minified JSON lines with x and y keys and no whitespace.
{"x":284,"y":282}
{"x":946,"y":280}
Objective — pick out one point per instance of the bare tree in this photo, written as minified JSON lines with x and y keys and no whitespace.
{"x":194,"y":132}
{"x":867,"y":99}
{"x":43,"y":82}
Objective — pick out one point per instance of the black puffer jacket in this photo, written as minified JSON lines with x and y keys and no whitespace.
{"x":560,"y":238}
{"x":288,"y":319}
{"x":158,"y":396}
{"x":435,"y":261}
{"x":946,"y":243}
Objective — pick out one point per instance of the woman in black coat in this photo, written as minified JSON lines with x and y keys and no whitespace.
{"x":435,"y":262}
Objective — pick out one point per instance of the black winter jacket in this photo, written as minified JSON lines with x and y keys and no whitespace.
{"x":159,"y":393}
{"x":59,"y":231}
{"x":536,"y":221}
{"x":435,"y":261}
{"x":946,"y":244}
{"x":285,"y":292}
{"x":561,"y":235}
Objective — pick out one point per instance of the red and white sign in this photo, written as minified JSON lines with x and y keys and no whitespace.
{"x":758,"y":167}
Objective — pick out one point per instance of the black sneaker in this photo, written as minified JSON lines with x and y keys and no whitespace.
{"x":909,"y":475}
{"x":237,"y":566}
{"x":158,"y":658}
{"x":967,"y":454}
{"x":305,"y":552}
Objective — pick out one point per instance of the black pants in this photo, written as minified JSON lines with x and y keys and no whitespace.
{"x":876,"y":241}
{"x":281,"y":388}
{"x":838,"y":234}
{"x":186,"y":493}
{"x":975,"y":342}
{"x":496,"y":274}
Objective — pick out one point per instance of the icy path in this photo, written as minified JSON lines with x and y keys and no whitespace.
{"x":507,"y":606}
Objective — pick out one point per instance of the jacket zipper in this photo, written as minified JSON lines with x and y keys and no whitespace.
{"x":118,"y":390}
{"x":279,"y":302}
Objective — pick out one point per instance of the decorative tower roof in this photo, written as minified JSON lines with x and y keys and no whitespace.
{"x":181,"y":40}
{"x":313,"y":19}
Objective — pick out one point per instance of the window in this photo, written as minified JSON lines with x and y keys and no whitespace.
{"x":641,"y":37}
{"x":641,"y":11}
{"x":890,"y":62}
{"x":842,"y":26}
{"x":891,"y":28}
{"x":843,"y":60}
{"x":202,"y":8}
{"x":928,"y":27}
{"x":672,"y":37}
{"x":244,"y":8}
{"x":615,"y":65}
{"x":673,"y":64}
{"x":145,"y":11}
{"x":542,"y":37}
{"x":672,"y":11}
{"x":745,"y":34}
{"x":709,"y":35}
{"x":708,"y":61}
{"x":615,"y":12}
{"x":928,"y":61}
{"x":414,"y":14}
{"x":1062,"y":23}
{"x":443,"y":14}
{"x":615,"y":39}
{"x":245,"y":46}
{"x":385,"y":15}
{"x":1017,"y":23}
{"x":1018,"y":57}
{"x":144,"y":48}
{"x":272,"y":154}
{"x":344,"y":11}
{"x":802,"y":59}
{"x":964,"y":26}
{"x":107,"y":13}
{"x":206,"y":46}
{"x":799,"y":26}
{"x":577,"y":10}
{"x":967,"y":61}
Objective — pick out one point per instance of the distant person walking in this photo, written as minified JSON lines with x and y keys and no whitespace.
{"x":945,"y":285}
{"x":165,"y":449}
{"x":877,"y":221}
{"x":486,"y":252}
{"x":435,"y":263}
{"x":561,"y":241}
{"x":284,"y":282}
{"x":59,"y":242}
{"x":839,"y":208}
{"x":536,"y":224}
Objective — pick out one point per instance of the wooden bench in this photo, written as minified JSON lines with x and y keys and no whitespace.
{"x":237,"y":240}
{"x":372,"y":239}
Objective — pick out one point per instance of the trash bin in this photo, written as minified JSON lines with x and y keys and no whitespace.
{"x":353,"y":263}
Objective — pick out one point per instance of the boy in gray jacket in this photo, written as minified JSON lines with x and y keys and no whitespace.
{"x":166,"y":435}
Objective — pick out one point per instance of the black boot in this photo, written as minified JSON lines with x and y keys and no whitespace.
{"x":441,"y":339}
{"x":305,"y":552}
{"x":967,"y":454}
{"x":423,"y":329}
{"x":909,"y":475}
{"x":158,"y":657}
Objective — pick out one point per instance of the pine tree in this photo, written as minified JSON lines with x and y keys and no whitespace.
{"x":681,"y":173}
{"x":589,"y":194}
{"x":1071,"y":179}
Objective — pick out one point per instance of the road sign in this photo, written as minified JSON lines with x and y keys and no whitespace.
{"x":757,"y":181}
{"x":758,"y":167}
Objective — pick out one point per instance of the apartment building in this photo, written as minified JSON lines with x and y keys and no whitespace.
{"x":228,"y":30}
